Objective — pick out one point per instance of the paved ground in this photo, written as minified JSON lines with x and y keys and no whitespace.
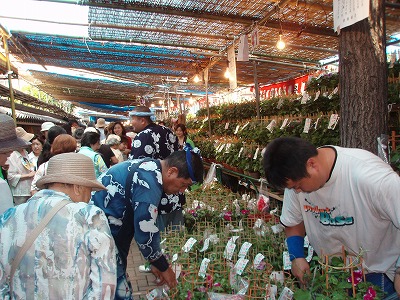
{"x":142,"y":283}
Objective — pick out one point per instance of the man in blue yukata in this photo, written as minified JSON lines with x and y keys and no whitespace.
{"x":134,"y":191}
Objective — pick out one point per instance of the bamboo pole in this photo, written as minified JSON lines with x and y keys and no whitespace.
{"x":6,"y":35}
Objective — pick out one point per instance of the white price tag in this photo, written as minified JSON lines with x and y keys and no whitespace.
{"x":230,"y":247}
{"x":310,"y":253}
{"x":257,"y":260}
{"x":305,"y":98}
{"x":241,"y":265}
{"x":240,"y":152}
{"x":334,"y":119}
{"x":203,"y":267}
{"x":206,"y":245}
{"x":284,"y":123}
{"x":316,"y":123}
{"x":256,"y":153}
{"x":153,"y":294}
{"x":307,"y":125}
{"x":189,"y":244}
{"x":317,"y":95}
{"x":287,"y":264}
{"x":286,"y":294}
{"x":244,"y":249}
{"x":271,"y":125}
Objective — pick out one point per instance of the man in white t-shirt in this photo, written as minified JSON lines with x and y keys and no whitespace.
{"x":340,"y":197}
{"x":8,"y":143}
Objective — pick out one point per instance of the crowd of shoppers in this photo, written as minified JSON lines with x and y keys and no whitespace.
{"x":43,"y":206}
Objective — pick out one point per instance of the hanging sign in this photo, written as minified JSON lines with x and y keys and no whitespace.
{"x":255,"y":37}
{"x":348,"y":12}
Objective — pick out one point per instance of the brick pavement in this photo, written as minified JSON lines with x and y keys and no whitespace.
{"x":142,"y":283}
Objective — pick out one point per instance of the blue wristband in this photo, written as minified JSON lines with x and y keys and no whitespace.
{"x":295,"y":246}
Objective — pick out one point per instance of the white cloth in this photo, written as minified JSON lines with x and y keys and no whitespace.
{"x":358,"y":207}
{"x":6,"y":199}
{"x":39,"y":174}
{"x":118,"y":154}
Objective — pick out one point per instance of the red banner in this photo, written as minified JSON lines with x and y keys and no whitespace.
{"x":292,"y":86}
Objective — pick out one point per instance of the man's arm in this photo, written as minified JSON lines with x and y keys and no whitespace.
{"x":147,"y":237}
{"x":295,"y":240}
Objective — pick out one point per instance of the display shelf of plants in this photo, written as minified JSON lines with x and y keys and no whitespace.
{"x":233,"y":247}
{"x":238,"y":137}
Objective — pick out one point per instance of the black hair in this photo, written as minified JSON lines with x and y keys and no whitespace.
{"x":39,"y":138}
{"x":123,"y":128}
{"x":286,"y":158}
{"x":78,"y":133}
{"x":53,"y":132}
{"x":90,"y":138}
{"x":178,"y":159}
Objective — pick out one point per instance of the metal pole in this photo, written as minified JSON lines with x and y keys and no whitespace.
{"x":5,"y":36}
{"x":257,"y":90}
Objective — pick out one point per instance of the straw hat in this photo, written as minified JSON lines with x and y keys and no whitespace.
{"x":8,"y":136}
{"x":101,"y":123}
{"x":46,"y":126}
{"x":21,"y":133}
{"x":71,"y":168}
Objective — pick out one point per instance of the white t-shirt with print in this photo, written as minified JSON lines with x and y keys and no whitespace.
{"x":359,"y":207}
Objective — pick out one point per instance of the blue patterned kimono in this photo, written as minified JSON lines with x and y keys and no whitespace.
{"x":158,"y":142}
{"x":146,"y":191}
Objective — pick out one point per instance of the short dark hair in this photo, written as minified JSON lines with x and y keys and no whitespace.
{"x":90,"y":138}
{"x":286,"y":158}
{"x":178,"y":159}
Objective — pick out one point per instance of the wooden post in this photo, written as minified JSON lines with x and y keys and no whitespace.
{"x":257,"y":90}
{"x":5,"y":36}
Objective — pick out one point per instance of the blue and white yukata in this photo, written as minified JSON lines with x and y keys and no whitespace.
{"x":137,"y":221}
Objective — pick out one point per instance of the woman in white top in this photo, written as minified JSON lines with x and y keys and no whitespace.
{"x":21,"y":171}
{"x":8,"y":142}
{"x":36,"y":146}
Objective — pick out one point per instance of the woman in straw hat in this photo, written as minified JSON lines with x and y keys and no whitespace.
{"x":21,"y":171}
{"x":74,"y":256}
{"x":8,"y":143}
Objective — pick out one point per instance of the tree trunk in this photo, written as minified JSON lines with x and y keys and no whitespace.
{"x":363,"y":81}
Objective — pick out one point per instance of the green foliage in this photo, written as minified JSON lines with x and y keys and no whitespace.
{"x":332,"y":282}
{"x":394,"y":83}
{"x":326,"y":82}
{"x":42,"y":96}
{"x":395,"y":159}
{"x":206,"y":146}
